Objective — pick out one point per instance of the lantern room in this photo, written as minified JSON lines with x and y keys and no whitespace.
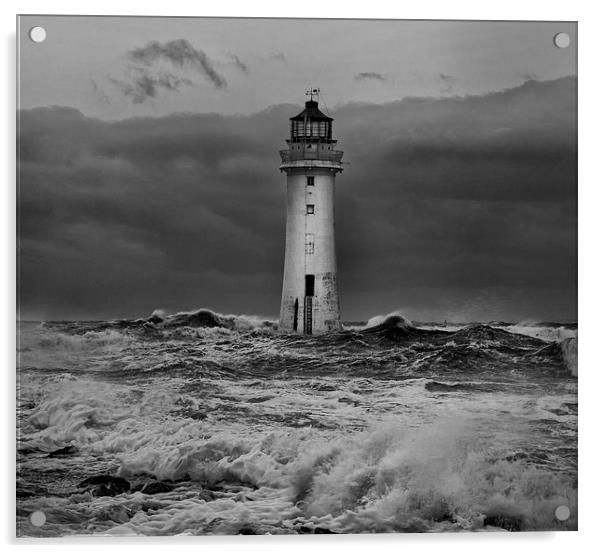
{"x":311,"y":125}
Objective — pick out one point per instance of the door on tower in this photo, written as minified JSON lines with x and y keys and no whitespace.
{"x":308,"y":304}
{"x":296,"y":315}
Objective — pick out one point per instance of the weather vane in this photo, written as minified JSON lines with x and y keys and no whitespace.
{"x":313,"y":92}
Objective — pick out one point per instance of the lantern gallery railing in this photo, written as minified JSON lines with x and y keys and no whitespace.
{"x":311,"y":153}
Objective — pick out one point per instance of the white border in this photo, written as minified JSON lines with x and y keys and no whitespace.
{"x":590,"y":94}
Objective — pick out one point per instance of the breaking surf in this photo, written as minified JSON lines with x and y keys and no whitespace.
{"x":202,"y":423}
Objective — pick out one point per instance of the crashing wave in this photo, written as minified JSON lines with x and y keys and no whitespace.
{"x":393,"y":326}
{"x":569,"y":354}
{"x":205,"y":318}
{"x":392,"y":480}
{"x":565,"y":353}
{"x":394,"y":319}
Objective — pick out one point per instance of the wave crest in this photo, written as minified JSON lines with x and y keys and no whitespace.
{"x":393,"y":480}
{"x":394,"y":319}
{"x":206,"y":318}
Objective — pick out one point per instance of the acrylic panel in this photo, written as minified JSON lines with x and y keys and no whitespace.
{"x":295,"y":276}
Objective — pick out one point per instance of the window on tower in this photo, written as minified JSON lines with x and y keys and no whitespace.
{"x":309,"y":243}
{"x":310,"y":181}
{"x":310,"y":209}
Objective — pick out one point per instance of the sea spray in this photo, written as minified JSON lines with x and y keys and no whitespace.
{"x":389,"y":478}
{"x":237,"y":428}
{"x":569,"y":353}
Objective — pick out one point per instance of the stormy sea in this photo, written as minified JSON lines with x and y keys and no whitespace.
{"x":200,"y":423}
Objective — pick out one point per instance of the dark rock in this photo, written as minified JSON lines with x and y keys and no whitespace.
{"x":197,"y":415}
{"x":207,"y":495}
{"x":316,"y":530}
{"x":157,"y":487}
{"x":68,"y":450}
{"x":247,"y":531}
{"x":105,"y":485}
{"x":509,"y":522}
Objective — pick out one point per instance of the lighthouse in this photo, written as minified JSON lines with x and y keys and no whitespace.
{"x":310,"y":294}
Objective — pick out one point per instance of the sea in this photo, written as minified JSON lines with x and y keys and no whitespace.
{"x":200,"y":423}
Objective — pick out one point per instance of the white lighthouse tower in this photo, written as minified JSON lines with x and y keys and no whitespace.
{"x":310,"y":295}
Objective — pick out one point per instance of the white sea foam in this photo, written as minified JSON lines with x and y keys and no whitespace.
{"x":87,"y":341}
{"x":391,"y":479}
{"x":289,"y":446}
{"x":543,"y":332}
{"x":386,"y":479}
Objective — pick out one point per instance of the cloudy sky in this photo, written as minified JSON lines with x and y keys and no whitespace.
{"x":148,"y":167}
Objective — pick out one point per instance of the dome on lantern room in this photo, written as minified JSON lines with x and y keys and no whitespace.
{"x":311,"y":124}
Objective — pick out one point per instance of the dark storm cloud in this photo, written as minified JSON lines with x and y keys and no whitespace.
{"x":446,"y":202}
{"x":181,"y":54}
{"x":165,"y":67}
{"x":144,"y":85}
{"x":239,"y":64}
{"x":370,"y":75}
